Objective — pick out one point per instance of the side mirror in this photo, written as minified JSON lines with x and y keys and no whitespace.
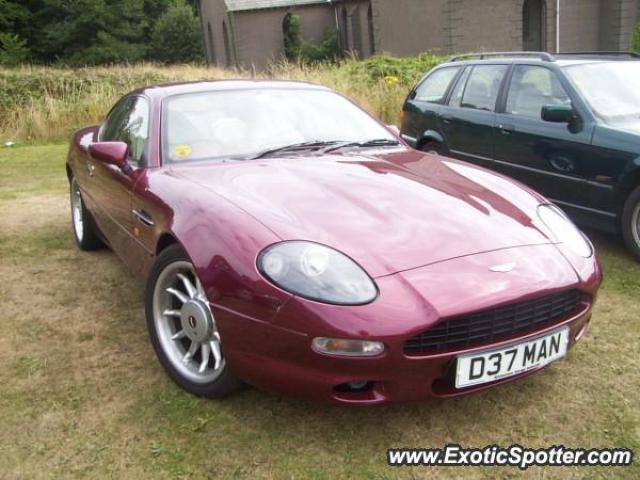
{"x":113,"y":153}
{"x":558,"y":113}
{"x":394,"y":129}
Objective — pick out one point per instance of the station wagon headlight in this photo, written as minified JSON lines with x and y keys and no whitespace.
{"x":564,"y":231}
{"x":316,"y":272}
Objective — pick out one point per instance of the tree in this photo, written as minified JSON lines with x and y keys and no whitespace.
{"x":292,"y":34}
{"x":635,"y":39}
{"x":177,"y":36}
{"x":89,"y":32}
{"x":13,"y":50}
{"x":14,"y":29}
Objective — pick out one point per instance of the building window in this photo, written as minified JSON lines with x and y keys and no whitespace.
{"x":372,"y":38}
{"x":227,"y":44}
{"x":212,"y":47}
{"x":534,"y":25}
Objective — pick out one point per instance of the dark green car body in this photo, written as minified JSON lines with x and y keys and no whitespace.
{"x":490,"y":112}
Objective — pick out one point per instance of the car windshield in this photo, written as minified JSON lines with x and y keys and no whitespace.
{"x":242,"y":124}
{"x":612,"y":89}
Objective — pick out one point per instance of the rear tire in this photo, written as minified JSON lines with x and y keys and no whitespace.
{"x":84,"y":229}
{"x":433,"y":148}
{"x":631,"y":223}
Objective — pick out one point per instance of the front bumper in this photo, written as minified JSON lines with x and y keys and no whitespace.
{"x":395,"y":377}
{"x":276,"y":356}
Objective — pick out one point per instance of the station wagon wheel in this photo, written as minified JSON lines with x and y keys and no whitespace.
{"x":631,"y":223}
{"x":84,"y":230}
{"x":183,"y":328}
{"x":432,"y":147}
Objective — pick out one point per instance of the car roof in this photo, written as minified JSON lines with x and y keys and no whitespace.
{"x":533,"y":61}
{"x":177,"y":88}
{"x":562,"y":59}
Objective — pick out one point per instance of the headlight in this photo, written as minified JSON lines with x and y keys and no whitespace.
{"x":564,"y":231}
{"x":316,"y":272}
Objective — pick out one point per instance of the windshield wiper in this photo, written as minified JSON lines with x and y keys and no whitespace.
{"x":376,"y":142}
{"x":296,"y":146}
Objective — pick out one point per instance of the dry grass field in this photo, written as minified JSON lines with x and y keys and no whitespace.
{"x":82,"y":395}
{"x":46,"y":104}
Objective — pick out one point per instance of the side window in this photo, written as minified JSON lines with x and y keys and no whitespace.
{"x":115,"y":121}
{"x":483,"y":86}
{"x":129,"y":123}
{"x":456,"y":95}
{"x":532,"y":88}
{"x":435,"y":86}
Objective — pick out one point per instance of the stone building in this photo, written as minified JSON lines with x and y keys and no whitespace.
{"x":249,"y":33}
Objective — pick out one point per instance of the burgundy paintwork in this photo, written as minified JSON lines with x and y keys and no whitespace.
{"x":113,"y":153}
{"x":426,"y":228}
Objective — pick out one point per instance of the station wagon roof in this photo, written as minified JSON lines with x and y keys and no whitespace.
{"x":561,"y":59}
{"x":564,"y":62}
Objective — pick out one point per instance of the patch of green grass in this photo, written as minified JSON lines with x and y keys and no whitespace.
{"x":42,"y":242}
{"x":28,"y":170}
{"x":621,"y":271}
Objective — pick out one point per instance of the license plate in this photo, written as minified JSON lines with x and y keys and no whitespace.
{"x":489,"y":366}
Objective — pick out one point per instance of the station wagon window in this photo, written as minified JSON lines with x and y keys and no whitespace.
{"x":483,"y":86}
{"x":456,"y":95}
{"x":128,"y":122}
{"x":531,"y":89}
{"x":435,"y":86}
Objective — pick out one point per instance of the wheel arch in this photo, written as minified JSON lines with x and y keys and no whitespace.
{"x":165,"y":240}
{"x":431,"y":136}
{"x":630,"y":182}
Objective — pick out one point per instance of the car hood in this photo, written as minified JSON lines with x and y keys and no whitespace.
{"x":390,"y":213}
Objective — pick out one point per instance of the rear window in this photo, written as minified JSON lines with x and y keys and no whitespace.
{"x":434,"y":88}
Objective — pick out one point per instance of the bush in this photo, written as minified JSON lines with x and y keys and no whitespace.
{"x":297,"y":49}
{"x":41,"y":104}
{"x":13,"y":50}
{"x":177,"y":36}
{"x":292,"y":36}
{"x":405,"y":71}
{"x":635,"y":39}
{"x":327,"y":51}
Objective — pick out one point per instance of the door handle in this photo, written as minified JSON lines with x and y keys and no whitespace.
{"x":91,"y":168}
{"x":447,"y":119}
{"x":143,"y":217}
{"x":506,"y":129}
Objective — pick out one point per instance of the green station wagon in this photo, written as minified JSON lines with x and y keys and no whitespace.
{"x":567,"y":125}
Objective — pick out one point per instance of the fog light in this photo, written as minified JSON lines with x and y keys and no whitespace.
{"x":345,"y":347}
{"x":354,"y":387}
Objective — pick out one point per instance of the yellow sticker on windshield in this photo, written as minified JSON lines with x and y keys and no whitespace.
{"x":182,"y":151}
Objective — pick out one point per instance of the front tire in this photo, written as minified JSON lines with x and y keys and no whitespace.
{"x":631,"y":223}
{"x":183,"y":330}
{"x":84,"y":230}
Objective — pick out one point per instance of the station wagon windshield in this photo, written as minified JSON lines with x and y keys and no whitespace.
{"x":612,"y":89}
{"x":241,"y":124}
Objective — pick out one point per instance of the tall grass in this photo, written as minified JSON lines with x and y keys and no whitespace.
{"x":43,"y":104}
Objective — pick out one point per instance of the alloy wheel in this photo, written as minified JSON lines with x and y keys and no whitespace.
{"x":76,"y":210}
{"x":185,"y":324}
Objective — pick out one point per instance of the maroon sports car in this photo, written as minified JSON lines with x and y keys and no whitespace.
{"x":291,"y":241}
